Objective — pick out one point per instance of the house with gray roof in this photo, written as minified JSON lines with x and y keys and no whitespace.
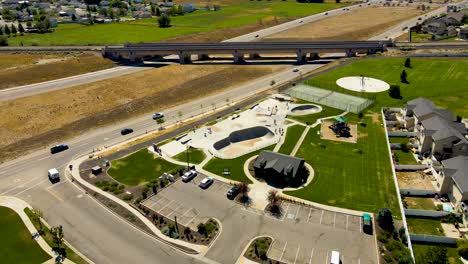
{"x":437,"y":132}
{"x":280,"y":169}
{"x":453,"y":180}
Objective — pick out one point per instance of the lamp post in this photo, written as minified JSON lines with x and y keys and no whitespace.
{"x":187,"y":150}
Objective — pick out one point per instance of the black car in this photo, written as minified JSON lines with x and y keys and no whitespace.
{"x":233,"y":192}
{"x":126,"y":131}
{"x":58,"y":148}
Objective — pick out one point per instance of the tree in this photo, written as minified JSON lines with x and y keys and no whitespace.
{"x":160,"y":121}
{"x":201,"y":229}
{"x":403,"y":77}
{"x":28,"y":24}
{"x":57,"y":237}
{"x":273,"y":198}
{"x":1,"y":31}
{"x":244,"y":191}
{"x":385,"y":219}
{"x":164,"y":21}
{"x":20,"y":28}
{"x":435,"y":255}
{"x":43,"y":24}
{"x":7,"y":30}
{"x":158,"y":11}
{"x":180,"y":10}
{"x":73,"y":17}
{"x":394,"y":91}
{"x":408,"y":63}
{"x":173,"y":11}
{"x":13,"y":29}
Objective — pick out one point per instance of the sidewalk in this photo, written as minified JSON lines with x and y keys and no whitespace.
{"x":18,"y":206}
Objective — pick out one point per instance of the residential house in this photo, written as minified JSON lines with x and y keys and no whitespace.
{"x":280,"y":169}
{"x":437,"y":132}
{"x":441,"y":26}
{"x":463,"y":33}
{"x":453,"y":181}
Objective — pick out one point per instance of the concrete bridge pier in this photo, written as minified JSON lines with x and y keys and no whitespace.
{"x":254,"y":56}
{"x":202,"y":57}
{"x":238,"y":57}
{"x":314,"y":56}
{"x":185,"y":58}
{"x":350,"y":53}
{"x":301,"y":57}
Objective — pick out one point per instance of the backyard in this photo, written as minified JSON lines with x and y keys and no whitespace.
{"x":402,"y":157}
{"x":292,"y":136}
{"x":139,"y":167}
{"x":147,"y":30}
{"x":235,"y":166}
{"x":421,"y":250}
{"x":355,"y":176}
{"x":17,"y":245}
{"x":424,"y":226}
{"x":437,"y":79}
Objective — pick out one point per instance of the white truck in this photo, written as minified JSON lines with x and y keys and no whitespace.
{"x":54,"y":175}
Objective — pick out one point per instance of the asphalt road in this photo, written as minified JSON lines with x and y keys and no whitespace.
{"x":89,"y":227}
{"x":28,"y":90}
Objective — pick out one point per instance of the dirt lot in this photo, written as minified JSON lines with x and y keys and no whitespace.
{"x":26,"y":121}
{"x":22,"y":69}
{"x":414,"y":180}
{"x":358,"y":24}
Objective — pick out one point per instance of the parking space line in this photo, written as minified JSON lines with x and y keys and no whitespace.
{"x":326,"y":259}
{"x":282,"y":253}
{"x":311,"y":256}
{"x":219,"y":189}
{"x":297,"y":253}
{"x":310,"y":211}
{"x":360,"y":224}
{"x":188,"y":210}
{"x":285,"y":212}
{"x":297,"y":212}
{"x":173,"y":211}
{"x":321,"y":217}
{"x":166,"y":206}
{"x":347,"y":216}
{"x":334,"y":220}
{"x":193,"y":218}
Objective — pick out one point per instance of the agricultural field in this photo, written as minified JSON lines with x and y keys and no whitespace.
{"x":23,"y":69}
{"x":437,"y":79}
{"x":17,"y":246}
{"x":359,"y":24}
{"x":79,"y":108}
{"x":147,"y":30}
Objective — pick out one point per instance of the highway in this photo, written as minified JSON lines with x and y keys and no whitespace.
{"x":87,"y":225}
{"x":28,"y":90}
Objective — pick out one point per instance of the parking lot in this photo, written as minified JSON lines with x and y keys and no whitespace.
{"x":302,"y":234}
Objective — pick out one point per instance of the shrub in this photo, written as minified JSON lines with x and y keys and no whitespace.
{"x":201,"y":229}
{"x":127,"y":197}
{"x":388,"y":259}
{"x":3,"y":41}
{"x":439,"y":207}
{"x":385,"y":219}
{"x":463,"y":251}
{"x":394,"y":91}
{"x":382,"y":239}
{"x":138,"y":200}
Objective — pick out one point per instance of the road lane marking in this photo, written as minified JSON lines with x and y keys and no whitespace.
{"x":311,"y":256}
{"x":282,"y":253}
{"x":308,"y":218}
{"x":19,"y":186}
{"x":30,"y":187}
{"x":334,"y":220}
{"x":321,"y":217}
{"x":43,"y":158}
{"x":297,"y":253}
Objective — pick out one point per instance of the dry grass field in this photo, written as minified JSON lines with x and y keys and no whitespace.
{"x":358,"y":24}
{"x":22,"y":69}
{"x":48,"y":118}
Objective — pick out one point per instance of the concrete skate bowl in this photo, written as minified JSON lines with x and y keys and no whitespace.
{"x":243,"y":141}
{"x":305,"y":109}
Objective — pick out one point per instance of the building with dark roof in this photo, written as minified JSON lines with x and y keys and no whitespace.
{"x":280,"y":169}
{"x":453,"y":179}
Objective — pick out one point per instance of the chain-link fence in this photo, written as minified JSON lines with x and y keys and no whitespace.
{"x":329,"y":98}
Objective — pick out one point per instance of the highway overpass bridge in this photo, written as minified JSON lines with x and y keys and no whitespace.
{"x":184,"y":51}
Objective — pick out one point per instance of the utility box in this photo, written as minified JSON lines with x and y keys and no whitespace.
{"x":96,"y":170}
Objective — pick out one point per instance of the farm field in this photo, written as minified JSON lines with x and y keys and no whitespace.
{"x":360,"y":24}
{"x":23,"y":69}
{"x":147,"y":30}
{"x":437,"y":79}
{"x":79,"y":108}
{"x":17,"y":246}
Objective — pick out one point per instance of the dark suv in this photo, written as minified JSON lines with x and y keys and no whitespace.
{"x":126,"y":131}
{"x":58,"y":148}
{"x":233,"y":192}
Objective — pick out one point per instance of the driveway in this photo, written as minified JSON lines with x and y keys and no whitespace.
{"x":303,"y":234}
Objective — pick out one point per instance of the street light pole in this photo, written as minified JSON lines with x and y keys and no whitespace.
{"x":188,"y":164}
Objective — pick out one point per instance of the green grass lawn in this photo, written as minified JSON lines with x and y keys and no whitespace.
{"x":147,"y":30}
{"x":404,"y":157}
{"x":355,"y":176}
{"x":196,"y":156}
{"x":424,"y":226}
{"x":420,"y":251}
{"x":139,"y":167}
{"x":326,"y":111}
{"x":401,"y":140}
{"x":292,"y":136}
{"x":17,"y":246}
{"x":440,"y":80}
{"x":235,"y":166}
{"x":420,"y":203}
{"x":70,"y":254}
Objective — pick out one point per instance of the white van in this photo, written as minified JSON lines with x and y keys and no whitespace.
{"x":54,"y":175}
{"x":335,"y":257}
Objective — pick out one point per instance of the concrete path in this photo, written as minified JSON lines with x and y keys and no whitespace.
{"x":18,"y":206}
{"x":299,"y":142}
{"x":281,"y":141}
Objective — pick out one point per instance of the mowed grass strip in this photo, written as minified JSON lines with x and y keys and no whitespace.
{"x":405,"y":158}
{"x":235,"y":166}
{"x":147,"y":30}
{"x":139,"y":167}
{"x":424,"y":226}
{"x":438,"y":79}
{"x":17,"y":246}
{"x":355,"y":176}
{"x":292,"y":136}
{"x":312,"y":118}
{"x":195,"y":156}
